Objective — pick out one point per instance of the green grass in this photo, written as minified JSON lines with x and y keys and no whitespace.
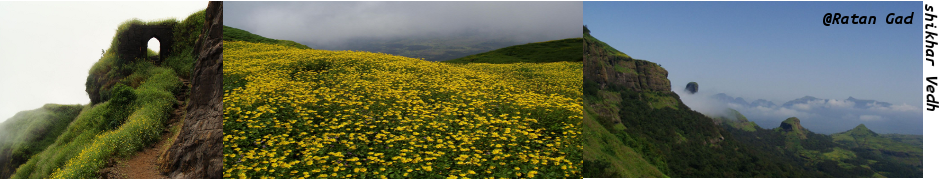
{"x":622,"y":69}
{"x":658,"y":100}
{"x":915,"y":140}
{"x":602,"y":146}
{"x":736,"y":120}
{"x":235,"y":34}
{"x":608,"y":48}
{"x":540,"y":52}
{"x":84,"y":147}
{"x":839,"y":154}
{"x":185,"y":34}
{"x":151,"y":52}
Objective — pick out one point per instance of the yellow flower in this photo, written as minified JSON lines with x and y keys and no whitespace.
{"x":339,"y":104}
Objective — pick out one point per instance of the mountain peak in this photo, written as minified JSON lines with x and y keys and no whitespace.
{"x":861,"y":130}
{"x":861,"y":127}
{"x":792,"y":125}
{"x":801,"y":100}
{"x":865,"y":104}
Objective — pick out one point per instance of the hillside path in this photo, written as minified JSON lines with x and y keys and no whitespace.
{"x":144,"y":164}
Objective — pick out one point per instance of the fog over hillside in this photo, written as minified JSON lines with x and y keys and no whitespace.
{"x":334,"y":25}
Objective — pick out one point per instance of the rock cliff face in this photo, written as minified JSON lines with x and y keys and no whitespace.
{"x":197,"y":151}
{"x":615,"y":69}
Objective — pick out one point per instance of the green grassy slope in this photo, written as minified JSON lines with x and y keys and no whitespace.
{"x":30,"y":132}
{"x":914,"y":140}
{"x":736,"y":120}
{"x":605,"y":154}
{"x":141,"y":98}
{"x":540,"y":52}
{"x":609,"y":48}
{"x":866,"y":141}
{"x":235,"y":34}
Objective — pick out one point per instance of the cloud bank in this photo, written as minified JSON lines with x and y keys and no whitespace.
{"x":824,"y":116}
{"x":336,"y":23}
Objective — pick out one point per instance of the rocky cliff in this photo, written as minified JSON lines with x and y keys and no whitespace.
{"x":610,"y":68}
{"x":196,"y":153}
{"x":792,"y":126}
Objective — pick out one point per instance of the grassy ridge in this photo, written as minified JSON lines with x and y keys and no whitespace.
{"x":736,"y":120}
{"x":605,"y":155}
{"x":118,"y":129}
{"x":30,"y":132}
{"x":550,"y":51}
{"x":235,"y":34}
{"x":863,"y":139}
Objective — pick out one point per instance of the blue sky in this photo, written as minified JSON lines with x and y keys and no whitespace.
{"x":779,"y":51}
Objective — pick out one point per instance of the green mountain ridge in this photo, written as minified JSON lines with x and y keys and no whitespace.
{"x":30,"y":132}
{"x":539,"y":52}
{"x":736,"y":120}
{"x":858,"y":152}
{"x":235,"y":34}
{"x":864,"y":140}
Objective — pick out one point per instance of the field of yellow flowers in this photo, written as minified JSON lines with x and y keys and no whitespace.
{"x":303,"y":113}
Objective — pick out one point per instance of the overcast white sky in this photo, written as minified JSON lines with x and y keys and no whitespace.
{"x":330,"y":24}
{"x":46,"y":48}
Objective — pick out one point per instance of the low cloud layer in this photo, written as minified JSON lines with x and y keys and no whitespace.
{"x":824,"y":116}
{"x":336,"y":23}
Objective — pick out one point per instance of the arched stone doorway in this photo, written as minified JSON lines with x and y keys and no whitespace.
{"x":153,"y":44}
{"x":133,"y":41}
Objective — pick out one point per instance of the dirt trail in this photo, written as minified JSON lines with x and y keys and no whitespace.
{"x":143,"y":165}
